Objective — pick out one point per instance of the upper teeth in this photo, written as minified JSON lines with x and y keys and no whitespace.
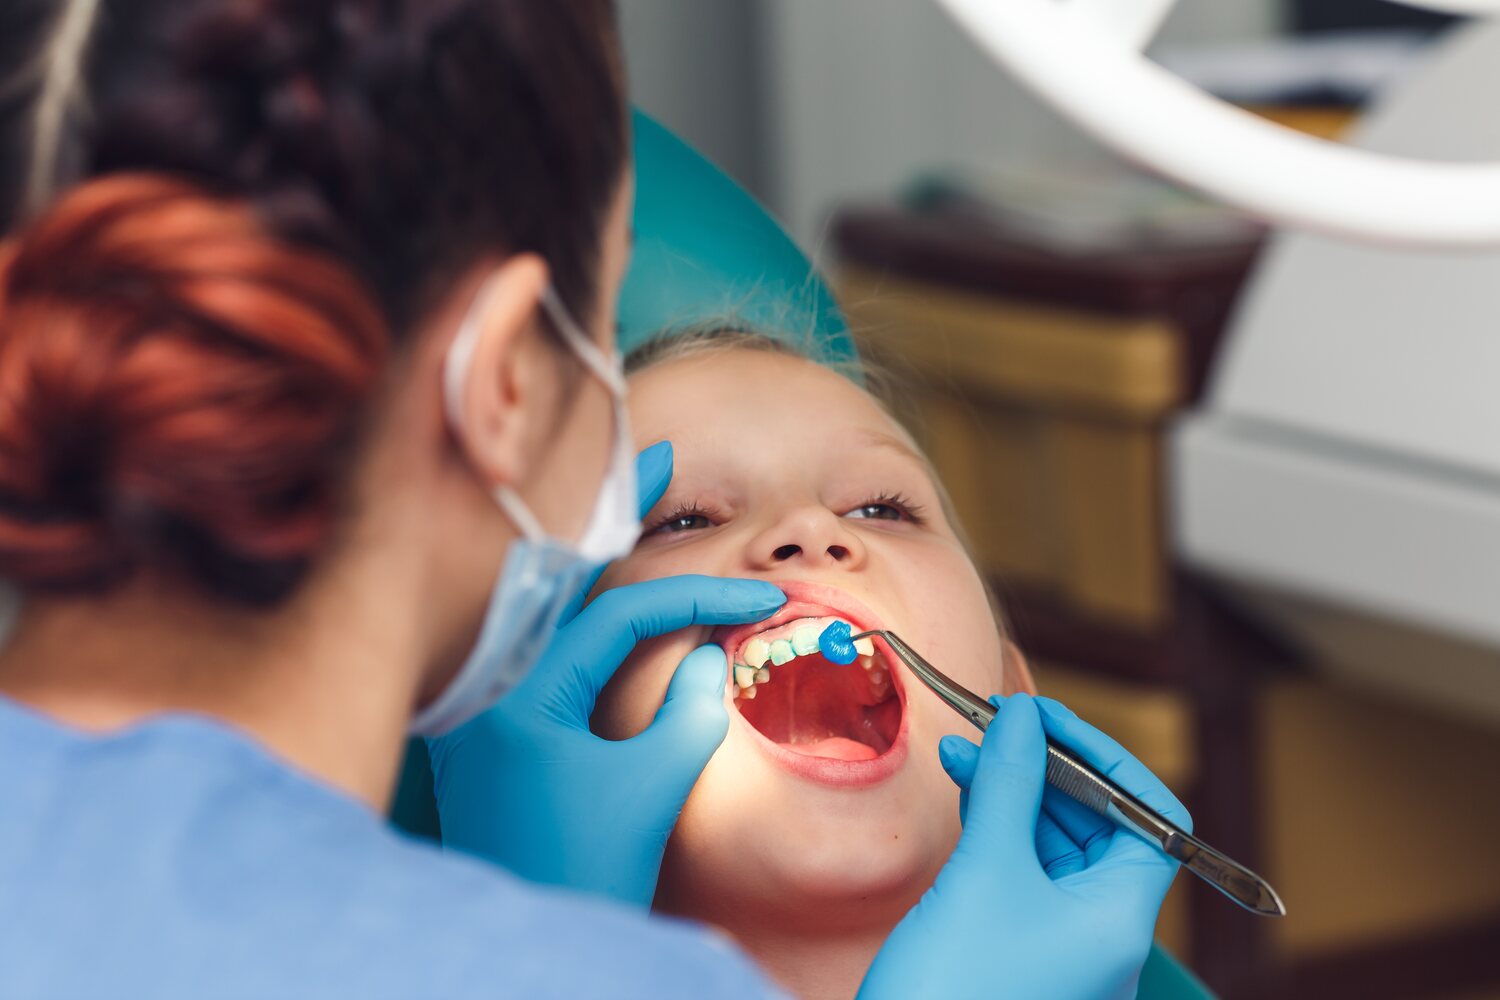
{"x":783,"y":644}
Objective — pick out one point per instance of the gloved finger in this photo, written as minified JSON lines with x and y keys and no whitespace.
{"x":586,"y":654}
{"x":1151,"y":871}
{"x":960,"y":759}
{"x":653,"y":474}
{"x":1057,"y":852}
{"x":1087,"y":831}
{"x":691,"y":722}
{"x":1005,"y":796}
{"x":580,"y":598}
{"x":1117,"y":763}
{"x":1086,"y":828}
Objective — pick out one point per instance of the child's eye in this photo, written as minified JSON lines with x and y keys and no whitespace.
{"x":688,"y":517}
{"x":888,"y":508}
{"x":880,"y":511}
{"x":687,"y":522}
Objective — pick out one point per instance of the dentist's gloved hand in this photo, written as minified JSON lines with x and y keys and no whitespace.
{"x":527,"y":785}
{"x":1041,"y":898}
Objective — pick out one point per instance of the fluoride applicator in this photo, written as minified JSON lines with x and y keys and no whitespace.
{"x":1078,"y":780}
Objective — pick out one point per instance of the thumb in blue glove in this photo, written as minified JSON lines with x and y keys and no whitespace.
{"x":653,"y":474}
{"x":1059,"y":901}
{"x":527,"y":784}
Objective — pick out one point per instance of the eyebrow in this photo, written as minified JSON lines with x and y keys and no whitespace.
{"x":890,"y":442}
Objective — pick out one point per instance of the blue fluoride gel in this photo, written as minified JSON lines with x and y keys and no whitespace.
{"x":836,"y":644}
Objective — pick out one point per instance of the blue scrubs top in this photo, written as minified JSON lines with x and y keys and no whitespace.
{"x":177,"y":858}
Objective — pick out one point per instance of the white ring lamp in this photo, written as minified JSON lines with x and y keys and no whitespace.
{"x":1084,"y":57}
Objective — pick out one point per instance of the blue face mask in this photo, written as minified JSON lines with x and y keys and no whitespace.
{"x":540,"y":574}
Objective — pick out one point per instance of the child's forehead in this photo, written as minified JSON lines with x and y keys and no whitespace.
{"x":729,"y":383}
{"x":756,"y":412}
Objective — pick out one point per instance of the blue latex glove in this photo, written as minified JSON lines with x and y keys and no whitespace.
{"x":527,"y":785}
{"x":1041,"y":898}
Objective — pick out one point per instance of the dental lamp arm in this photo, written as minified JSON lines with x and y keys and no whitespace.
{"x":1067,"y":55}
{"x":1132,"y":23}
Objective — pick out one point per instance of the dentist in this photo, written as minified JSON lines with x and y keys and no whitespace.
{"x":312,"y":436}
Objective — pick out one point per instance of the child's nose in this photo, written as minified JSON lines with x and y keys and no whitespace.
{"x":808,"y":536}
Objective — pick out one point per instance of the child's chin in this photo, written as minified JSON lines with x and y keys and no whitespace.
{"x":860,"y":866}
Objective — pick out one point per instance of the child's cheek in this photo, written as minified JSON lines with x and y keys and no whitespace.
{"x":632,"y":569}
{"x":958,"y":614}
{"x":651,"y":561}
{"x":633,"y":696}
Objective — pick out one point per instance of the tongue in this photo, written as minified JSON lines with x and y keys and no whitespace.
{"x":814,"y":708}
{"x":836,"y":747}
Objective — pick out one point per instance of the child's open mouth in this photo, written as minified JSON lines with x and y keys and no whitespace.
{"x":787,"y":690}
{"x":840,"y":724}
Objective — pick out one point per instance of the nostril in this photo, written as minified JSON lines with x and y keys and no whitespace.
{"x":838,"y":553}
{"x":786,"y":552}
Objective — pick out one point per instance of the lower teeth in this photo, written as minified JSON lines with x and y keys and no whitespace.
{"x":746,"y":678}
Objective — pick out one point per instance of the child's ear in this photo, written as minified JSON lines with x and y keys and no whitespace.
{"x":1017,"y":675}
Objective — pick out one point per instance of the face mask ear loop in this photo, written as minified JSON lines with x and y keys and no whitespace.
{"x":461,"y":357}
{"x":605,"y":368}
{"x":455,"y":371}
{"x":520,"y":515}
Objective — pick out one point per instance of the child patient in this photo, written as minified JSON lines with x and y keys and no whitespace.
{"x":825,"y":813}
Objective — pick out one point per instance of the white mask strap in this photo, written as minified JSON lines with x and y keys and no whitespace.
{"x":605,"y":368}
{"x":460,"y":360}
{"x":461,"y":352}
{"x":520,"y":515}
{"x":461,"y":356}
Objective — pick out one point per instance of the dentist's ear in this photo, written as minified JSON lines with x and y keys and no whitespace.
{"x":507,"y":397}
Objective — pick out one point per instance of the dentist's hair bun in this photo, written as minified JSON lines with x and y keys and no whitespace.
{"x":178,"y":390}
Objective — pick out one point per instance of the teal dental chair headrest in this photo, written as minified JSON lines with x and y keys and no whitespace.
{"x":707,"y":252}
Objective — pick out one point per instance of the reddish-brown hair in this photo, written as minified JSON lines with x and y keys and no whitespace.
{"x":182,"y":361}
{"x":177,"y":391}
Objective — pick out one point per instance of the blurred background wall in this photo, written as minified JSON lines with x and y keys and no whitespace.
{"x":810,"y":102}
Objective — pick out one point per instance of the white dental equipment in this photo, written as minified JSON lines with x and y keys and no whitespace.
{"x":1083,"y":57}
{"x":1343,"y":474}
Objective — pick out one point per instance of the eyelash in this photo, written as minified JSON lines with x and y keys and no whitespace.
{"x":902,"y":504}
{"x":681,"y":512}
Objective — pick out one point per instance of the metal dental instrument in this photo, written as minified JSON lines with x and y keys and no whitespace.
{"x":1079,"y":781}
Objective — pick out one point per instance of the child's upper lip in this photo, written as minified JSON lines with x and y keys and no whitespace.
{"x":804,"y":599}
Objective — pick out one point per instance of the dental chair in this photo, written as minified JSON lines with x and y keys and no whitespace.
{"x":706,"y":251}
